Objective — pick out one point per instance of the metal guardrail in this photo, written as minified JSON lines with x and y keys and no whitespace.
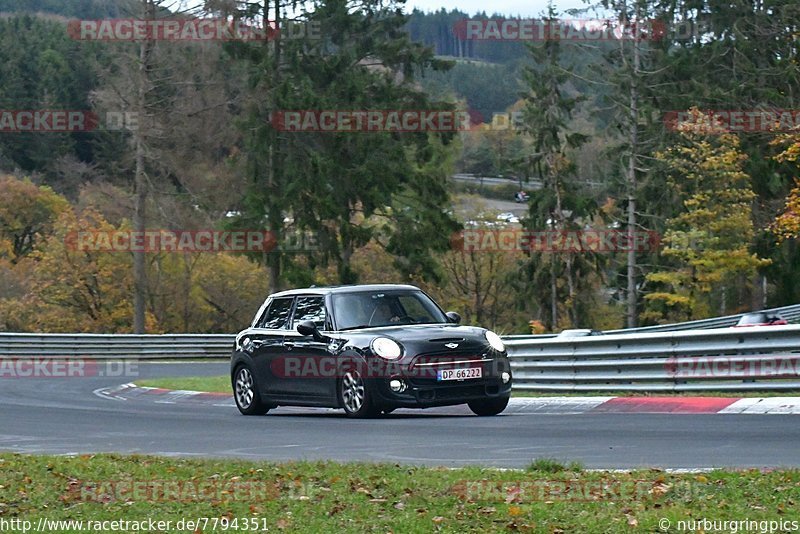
{"x":756,"y":358}
{"x":114,"y":346}
{"x":790,"y":313}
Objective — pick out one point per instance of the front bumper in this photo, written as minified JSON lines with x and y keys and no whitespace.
{"x":423,"y":390}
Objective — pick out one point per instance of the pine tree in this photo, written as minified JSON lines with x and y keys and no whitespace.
{"x":560,"y":206}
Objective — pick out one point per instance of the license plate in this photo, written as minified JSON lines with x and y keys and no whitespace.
{"x":459,"y":374}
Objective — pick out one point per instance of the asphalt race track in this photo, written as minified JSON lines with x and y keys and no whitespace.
{"x":65,"y":416}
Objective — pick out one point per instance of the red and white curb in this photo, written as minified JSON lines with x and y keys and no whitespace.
{"x":772,"y":405}
{"x":518,"y":405}
{"x":555,"y":405}
{"x":664,"y":405}
{"x":126,"y":392}
{"x":700,"y":405}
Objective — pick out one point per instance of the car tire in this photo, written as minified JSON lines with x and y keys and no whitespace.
{"x":355,"y":395}
{"x":487,"y":407}
{"x":245,"y":392}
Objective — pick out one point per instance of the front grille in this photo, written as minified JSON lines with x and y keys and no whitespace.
{"x":449,"y":363}
{"x":423,"y":369}
{"x":444,"y":360}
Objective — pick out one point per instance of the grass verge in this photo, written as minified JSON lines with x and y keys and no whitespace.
{"x":215,"y":384}
{"x":222,"y":384}
{"x":326,"y":496}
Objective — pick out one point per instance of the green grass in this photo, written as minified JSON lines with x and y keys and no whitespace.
{"x":551,"y":465}
{"x":222,"y":384}
{"x":331,"y":497}
{"x":218,"y":384}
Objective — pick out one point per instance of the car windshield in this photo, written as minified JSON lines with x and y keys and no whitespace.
{"x":384,"y":308}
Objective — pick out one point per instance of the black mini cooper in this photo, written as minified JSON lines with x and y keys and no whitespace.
{"x":368,"y":349}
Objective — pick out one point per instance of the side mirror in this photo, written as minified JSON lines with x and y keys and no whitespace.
{"x":453,"y":317}
{"x":308,"y":328}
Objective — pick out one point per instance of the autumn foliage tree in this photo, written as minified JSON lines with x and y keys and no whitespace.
{"x":27,"y":212}
{"x":479,"y":282}
{"x":708,"y":243}
{"x":49,"y":282}
{"x":787,"y":223}
{"x":70,"y":290}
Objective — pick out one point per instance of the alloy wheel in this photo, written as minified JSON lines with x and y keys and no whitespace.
{"x":244,"y":388}
{"x":352,"y":391}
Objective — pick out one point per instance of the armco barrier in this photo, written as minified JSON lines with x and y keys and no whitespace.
{"x":790,"y":313}
{"x":101,"y":346}
{"x":758,"y":358}
{"x":761,"y":358}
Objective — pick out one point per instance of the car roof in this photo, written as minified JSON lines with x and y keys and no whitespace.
{"x":759,"y":314}
{"x":325,"y":290}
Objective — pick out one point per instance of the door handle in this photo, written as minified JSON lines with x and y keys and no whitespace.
{"x":257,"y":343}
{"x":289,"y":345}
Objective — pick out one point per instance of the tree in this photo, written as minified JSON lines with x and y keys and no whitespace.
{"x":479,"y":284}
{"x":739,"y":55}
{"x":784,"y":230}
{"x":204,"y":292}
{"x":629,"y":59}
{"x":709,"y":241}
{"x":43,"y":69}
{"x":546,"y":114}
{"x":142,"y":108}
{"x":787,"y":223}
{"x":333,"y":183}
{"x":73,"y":290}
{"x":174,"y":157}
{"x":26,"y":213}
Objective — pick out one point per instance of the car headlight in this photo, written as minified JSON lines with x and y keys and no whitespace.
{"x":386,"y":348}
{"x":495,"y":341}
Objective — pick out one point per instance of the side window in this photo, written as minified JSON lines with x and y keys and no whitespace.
{"x":277,"y":315}
{"x":258,"y":320}
{"x":310,"y":309}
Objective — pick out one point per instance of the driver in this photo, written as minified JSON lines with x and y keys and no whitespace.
{"x":383,"y":314}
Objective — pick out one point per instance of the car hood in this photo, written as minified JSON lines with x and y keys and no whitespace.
{"x":419,"y":332}
{"x":428,"y":338}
